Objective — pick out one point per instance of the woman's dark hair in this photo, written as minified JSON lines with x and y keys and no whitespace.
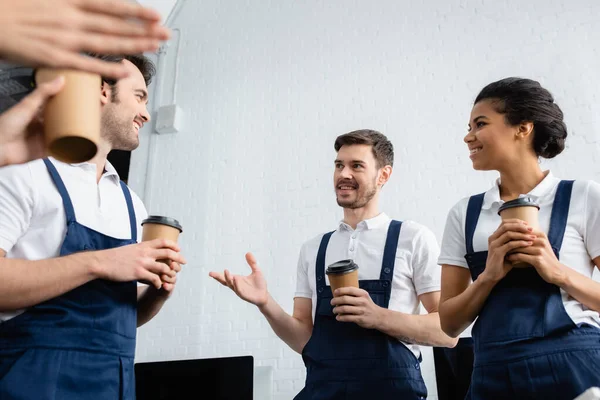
{"x":524,"y":100}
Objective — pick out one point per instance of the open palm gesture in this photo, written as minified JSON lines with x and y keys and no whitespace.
{"x":251,"y":288}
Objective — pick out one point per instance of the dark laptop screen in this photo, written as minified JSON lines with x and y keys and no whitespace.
{"x":209,"y":378}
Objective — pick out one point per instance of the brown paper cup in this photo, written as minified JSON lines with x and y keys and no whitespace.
{"x":342,"y":274}
{"x":524,"y":209}
{"x":158,"y":227}
{"x":72,"y":117}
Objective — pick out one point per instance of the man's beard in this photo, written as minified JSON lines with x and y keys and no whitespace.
{"x":119,"y":131}
{"x":362,"y":197}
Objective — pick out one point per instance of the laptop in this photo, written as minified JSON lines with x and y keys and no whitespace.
{"x":207,"y":378}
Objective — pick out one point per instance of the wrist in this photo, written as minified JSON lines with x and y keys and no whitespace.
{"x":487,"y":279}
{"x":92,"y":262}
{"x":264,"y":307}
{"x":381,"y":319}
{"x":561,"y":276}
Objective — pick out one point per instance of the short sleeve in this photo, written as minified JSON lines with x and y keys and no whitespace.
{"x":426,"y":271}
{"x":17,"y":197}
{"x":592,"y":220}
{"x":453,"y":242}
{"x":302,"y":281}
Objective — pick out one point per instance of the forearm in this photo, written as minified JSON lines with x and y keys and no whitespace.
{"x":583,"y":289}
{"x":150,"y":301}
{"x":25,"y":283}
{"x":457,"y":313}
{"x":294,"y":332}
{"x":422,"y":329}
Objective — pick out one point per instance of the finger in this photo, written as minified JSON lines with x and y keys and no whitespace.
{"x":171,"y":273}
{"x":511,"y":235}
{"x":168,"y":278}
{"x":351,"y":300}
{"x":218,"y":277}
{"x":164,"y":244}
{"x":228,"y":279}
{"x":508,"y":237}
{"x":251,"y":260}
{"x":111,"y":25}
{"x":152,"y":279}
{"x":175,"y":266}
{"x":347,"y":318}
{"x":30,"y":105}
{"x":350,"y":291}
{"x":120,"y":8}
{"x":108,"y":44}
{"x":348,"y":310}
{"x":168,"y":287}
{"x":168,"y":254}
{"x":159,"y":268}
{"x":510,"y":225}
{"x":522,"y":245}
{"x":521,"y":257}
{"x":70,"y":59}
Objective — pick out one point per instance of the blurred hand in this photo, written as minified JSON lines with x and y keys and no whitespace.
{"x":21,"y":127}
{"x":54,"y":33}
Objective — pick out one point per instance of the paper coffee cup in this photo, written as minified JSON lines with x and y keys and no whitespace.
{"x":72,"y":117}
{"x":343,"y":273}
{"x":525,"y":209}
{"x":159,"y":227}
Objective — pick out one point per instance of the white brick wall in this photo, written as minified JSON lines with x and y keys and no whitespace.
{"x":267,"y":86}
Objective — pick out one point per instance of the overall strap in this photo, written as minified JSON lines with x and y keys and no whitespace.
{"x":320,"y":266}
{"x":560,"y":213}
{"x":389,"y":252}
{"x":473,"y":211}
{"x":62,"y":190}
{"x":131,"y":210}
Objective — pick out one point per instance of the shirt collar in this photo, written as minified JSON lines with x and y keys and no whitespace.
{"x":109,"y":169}
{"x":373,"y":223}
{"x":492,"y":196}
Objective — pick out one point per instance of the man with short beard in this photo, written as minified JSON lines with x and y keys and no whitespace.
{"x":70,"y":262}
{"x":364,"y":342}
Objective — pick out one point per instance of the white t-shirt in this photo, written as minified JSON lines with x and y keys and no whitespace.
{"x":581,"y":243}
{"x":32,"y":216}
{"x":415,"y":270}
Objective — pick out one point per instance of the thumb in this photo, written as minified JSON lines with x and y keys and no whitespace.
{"x":31,"y":103}
{"x":252,"y":262}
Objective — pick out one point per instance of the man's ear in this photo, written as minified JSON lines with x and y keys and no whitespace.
{"x":384,"y":175}
{"x":105,"y":93}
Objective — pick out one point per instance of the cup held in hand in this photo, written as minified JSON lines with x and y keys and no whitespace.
{"x":525,"y":209}
{"x":159,"y":227}
{"x":343,"y":273}
{"x":72,"y":117}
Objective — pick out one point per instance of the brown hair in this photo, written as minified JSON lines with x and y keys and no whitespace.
{"x":143,"y":63}
{"x":383,"y":150}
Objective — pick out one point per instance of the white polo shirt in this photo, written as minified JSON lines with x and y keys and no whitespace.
{"x":581,"y":243}
{"x":32,"y":215}
{"x":415,"y":271}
